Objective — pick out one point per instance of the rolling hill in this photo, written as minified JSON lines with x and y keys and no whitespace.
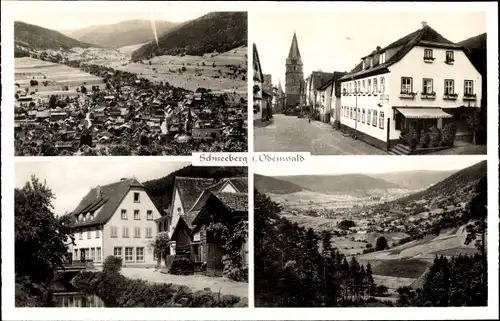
{"x":31,"y":37}
{"x":160,"y":190}
{"x":267,"y":184}
{"x":216,"y":31}
{"x":125,"y":33}
{"x":334,"y":184}
{"x":414,"y":180}
{"x":461,"y":182}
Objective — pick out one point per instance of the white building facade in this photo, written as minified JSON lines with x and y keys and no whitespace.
{"x":413,"y":82}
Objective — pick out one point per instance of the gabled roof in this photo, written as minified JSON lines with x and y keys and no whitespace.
{"x":320,"y":78}
{"x":240,"y":183}
{"x":335,"y":76}
{"x":232,"y":202}
{"x":294,"y":52}
{"x":190,"y":189}
{"x":426,"y":36}
{"x":256,"y":63}
{"x":107,"y":198}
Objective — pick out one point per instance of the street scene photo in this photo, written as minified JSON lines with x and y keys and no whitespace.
{"x":120,"y":84}
{"x":135,"y":234}
{"x":339,"y":233}
{"x":359,"y":83}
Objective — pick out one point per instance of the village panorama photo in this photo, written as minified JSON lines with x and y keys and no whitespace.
{"x":123,"y":83}
{"x":339,"y":233}
{"x":399,"y":83}
{"x":130,"y":234}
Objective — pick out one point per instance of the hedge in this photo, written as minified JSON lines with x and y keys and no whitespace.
{"x":118,"y":291}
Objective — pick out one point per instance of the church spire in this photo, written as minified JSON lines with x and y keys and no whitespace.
{"x":294,"y":53}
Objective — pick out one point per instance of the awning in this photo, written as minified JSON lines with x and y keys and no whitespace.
{"x":423,"y":113}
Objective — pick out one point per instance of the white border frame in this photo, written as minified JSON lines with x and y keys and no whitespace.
{"x":11,"y":313}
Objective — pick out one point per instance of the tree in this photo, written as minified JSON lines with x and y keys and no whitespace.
{"x":161,"y":247}
{"x":381,"y":243}
{"x":41,"y":238}
{"x":83,"y":90}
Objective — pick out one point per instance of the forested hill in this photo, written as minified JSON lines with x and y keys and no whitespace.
{"x":38,"y":38}
{"x":454,"y":186}
{"x":216,"y":31}
{"x":160,"y":190}
{"x":267,"y":184}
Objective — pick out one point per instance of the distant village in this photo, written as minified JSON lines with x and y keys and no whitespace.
{"x":124,"y":115}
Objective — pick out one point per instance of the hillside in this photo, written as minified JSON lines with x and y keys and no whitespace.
{"x":216,"y":31}
{"x":334,"y":184}
{"x":31,"y":37}
{"x":266,"y":184}
{"x":414,"y":180}
{"x":461,"y":182}
{"x":160,"y":190}
{"x":121,"y":34}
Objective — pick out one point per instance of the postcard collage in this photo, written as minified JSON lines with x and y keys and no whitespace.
{"x":253,"y":156}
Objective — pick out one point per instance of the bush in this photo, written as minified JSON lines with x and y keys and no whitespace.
{"x":346,"y":224}
{"x":449,"y":134}
{"x":118,"y":291}
{"x":413,"y":138}
{"x":181,"y":266}
{"x":112,"y":264}
{"x":435,"y":136}
{"x":425,"y":139}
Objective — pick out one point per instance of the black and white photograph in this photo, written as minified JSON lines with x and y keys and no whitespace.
{"x":129,"y":83}
{"x":363,"y":83}
{"x":339,"y":233}
{"x":130,"y":234}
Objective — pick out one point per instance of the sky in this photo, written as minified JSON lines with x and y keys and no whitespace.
{"x":336,"y":41}
{"x":57,"y":15}
{"x":366,"y":165}
{"x":71,"y":180}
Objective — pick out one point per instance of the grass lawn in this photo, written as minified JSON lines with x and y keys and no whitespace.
{"x":401,"y":268}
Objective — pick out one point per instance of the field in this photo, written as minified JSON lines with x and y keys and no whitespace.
{"x":214,"y":71}
{"x":57,"y":76}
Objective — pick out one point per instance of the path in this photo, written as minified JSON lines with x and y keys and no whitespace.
{"x":293,"y":134}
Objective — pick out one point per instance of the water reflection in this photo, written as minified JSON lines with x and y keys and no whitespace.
{"x":77,"y":300}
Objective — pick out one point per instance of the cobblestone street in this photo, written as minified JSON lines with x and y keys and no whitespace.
{"x":293,"y":134}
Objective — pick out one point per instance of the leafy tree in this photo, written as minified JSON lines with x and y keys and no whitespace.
{"x":381,"y":243}
{"x":41,"y":238}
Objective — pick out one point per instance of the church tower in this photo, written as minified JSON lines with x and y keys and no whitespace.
{"x":294,"y":77}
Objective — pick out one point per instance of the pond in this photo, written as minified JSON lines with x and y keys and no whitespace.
{"x":66,"y":295}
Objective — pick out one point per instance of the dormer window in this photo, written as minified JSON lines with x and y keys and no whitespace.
{"x":382,"y":58}
{"x":371,"y":62}
{"x":364,"y":67}
{"x":91,"y":216}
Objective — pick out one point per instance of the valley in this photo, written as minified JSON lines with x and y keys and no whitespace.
{"x":416,"y":224}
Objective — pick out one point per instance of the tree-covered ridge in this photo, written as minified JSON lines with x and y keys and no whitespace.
{"x":160,"y":190}
{"x":216,"y":31}
{"x":39,"y":38}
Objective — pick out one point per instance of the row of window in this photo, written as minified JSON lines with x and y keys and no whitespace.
{"x":137,"y":232}
{"x":361,"y":115}
{"x":365,"y":86}
{"x":114,"y":232}
{"x":428,"y":86}
{"x":137,"y":214}
{"x":128,"y":254}
{"x":429,"y":55}
{"x":93,"y":253}
{"x":372,"y":61}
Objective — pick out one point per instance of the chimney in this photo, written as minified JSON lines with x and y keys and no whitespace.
{"x":378,"y":48}
{"x":424,"y":24}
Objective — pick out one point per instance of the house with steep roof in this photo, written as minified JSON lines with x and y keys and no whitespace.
{"x":258,"y":83}
{"x":189,"y":200}
{"x":419,"y":81}
{"x":328,"y":99}
{"x":116,"y":219}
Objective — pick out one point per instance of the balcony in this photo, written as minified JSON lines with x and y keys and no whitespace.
{"x":431,"y":95}
{"x":469,"y":97}
{"x":407,"y":95}
{"x":429,"y":59}
{"x":450,"y":96}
